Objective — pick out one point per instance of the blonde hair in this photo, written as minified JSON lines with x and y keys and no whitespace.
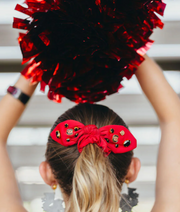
{"x":95,"y":186}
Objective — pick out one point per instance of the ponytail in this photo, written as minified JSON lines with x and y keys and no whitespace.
{"x":95,"y":187}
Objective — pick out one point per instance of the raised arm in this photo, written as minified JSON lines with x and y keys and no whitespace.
{"x":166,"y":103}
{"x":11,"y":109}
{"x":10,"y":112}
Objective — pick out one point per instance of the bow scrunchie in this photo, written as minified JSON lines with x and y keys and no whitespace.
{"x":111,"y":138}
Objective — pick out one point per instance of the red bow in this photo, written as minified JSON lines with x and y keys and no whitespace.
{"x":115,"y":138}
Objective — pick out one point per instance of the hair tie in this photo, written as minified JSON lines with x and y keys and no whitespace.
{"x":111,"y":138}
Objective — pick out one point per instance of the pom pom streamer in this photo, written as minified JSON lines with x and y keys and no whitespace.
{"x":83,"y":49}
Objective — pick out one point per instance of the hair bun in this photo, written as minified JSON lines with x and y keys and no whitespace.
{"x":83,"y":49}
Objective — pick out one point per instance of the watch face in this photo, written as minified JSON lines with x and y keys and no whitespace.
{"x":14,"y":90}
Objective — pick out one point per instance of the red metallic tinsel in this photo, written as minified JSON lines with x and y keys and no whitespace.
{"x":83,"y":49}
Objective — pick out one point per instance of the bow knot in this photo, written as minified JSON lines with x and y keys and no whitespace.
{"x":90,"y":130}
{"x":91,"y":134}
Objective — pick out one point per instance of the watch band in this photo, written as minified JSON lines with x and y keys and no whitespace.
{"x":18,"y":94}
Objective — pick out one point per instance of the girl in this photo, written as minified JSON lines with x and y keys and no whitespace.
{"x":88,"y":180}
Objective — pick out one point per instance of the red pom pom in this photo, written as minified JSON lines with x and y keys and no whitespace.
{"x":83,"y":49}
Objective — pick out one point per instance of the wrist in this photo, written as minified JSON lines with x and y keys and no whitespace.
{"x":18,"y":94}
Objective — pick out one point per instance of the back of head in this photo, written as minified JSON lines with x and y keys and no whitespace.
{"x":91,"y":181}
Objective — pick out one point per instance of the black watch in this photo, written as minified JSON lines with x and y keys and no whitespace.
{"x":18,"y":94}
